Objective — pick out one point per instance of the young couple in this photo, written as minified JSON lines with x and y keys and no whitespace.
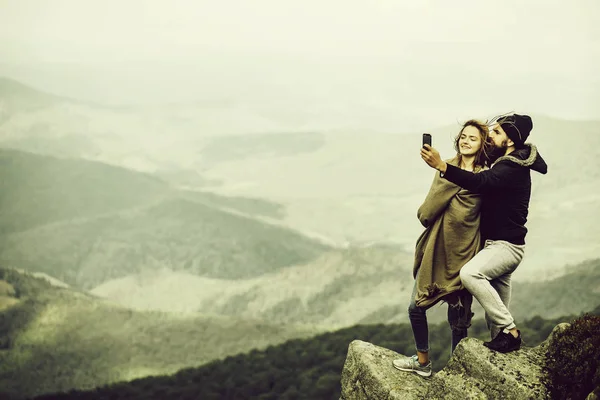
{"x":474,"y":217}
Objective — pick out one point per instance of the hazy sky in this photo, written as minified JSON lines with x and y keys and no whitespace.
{"x":370,"y":60}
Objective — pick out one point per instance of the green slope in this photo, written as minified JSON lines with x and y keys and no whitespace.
{"x":36,"y":190}
{"x":298,"y":369}
{"x":87,"y":222}
{"x":57,"y":339}
{"x":178,"y":234}
{"x":578,"y":289}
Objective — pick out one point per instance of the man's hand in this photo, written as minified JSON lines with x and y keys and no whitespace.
{"x":432,"y":157}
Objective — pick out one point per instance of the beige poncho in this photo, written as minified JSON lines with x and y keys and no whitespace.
{"x":450,"y":215}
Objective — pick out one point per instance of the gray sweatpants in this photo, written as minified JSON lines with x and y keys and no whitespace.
{"x":487,"y":276}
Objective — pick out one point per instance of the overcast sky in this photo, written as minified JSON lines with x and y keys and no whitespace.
{"x":438,"y":58}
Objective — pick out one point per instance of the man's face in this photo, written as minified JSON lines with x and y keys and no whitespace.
{"x":499,"y":137}
{"x":499,"y":140}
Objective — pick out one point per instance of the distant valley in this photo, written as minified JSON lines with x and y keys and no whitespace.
{"x":344,"y":187}
{"x":179,"y":235}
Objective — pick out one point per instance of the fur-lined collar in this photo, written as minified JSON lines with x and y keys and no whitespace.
{"x":521,"y":157}
{"x":527,"y":162}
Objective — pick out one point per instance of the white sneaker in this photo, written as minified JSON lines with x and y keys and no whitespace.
{"x":413,"y":364}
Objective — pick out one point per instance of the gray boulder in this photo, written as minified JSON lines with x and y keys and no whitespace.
{"x":368,"y":374}
{"x":473,"y":372}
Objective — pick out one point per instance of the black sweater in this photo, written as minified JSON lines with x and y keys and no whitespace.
{"x":506,"y":190}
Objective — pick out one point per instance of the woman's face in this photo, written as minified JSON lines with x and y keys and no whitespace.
{"x":469,"y":141}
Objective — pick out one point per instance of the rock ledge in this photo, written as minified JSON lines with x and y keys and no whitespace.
{"x":473,"y":372}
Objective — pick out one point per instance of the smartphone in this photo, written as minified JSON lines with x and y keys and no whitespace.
{"x":426,"y":139}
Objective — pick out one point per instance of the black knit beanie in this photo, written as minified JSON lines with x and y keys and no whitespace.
{"x":517,"y":127}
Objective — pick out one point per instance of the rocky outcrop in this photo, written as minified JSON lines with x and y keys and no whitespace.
{"x":476,"y":372}
{"x":473,"y":372}
{"x":368,"y":374}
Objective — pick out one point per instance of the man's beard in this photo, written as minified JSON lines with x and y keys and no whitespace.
{"x":496,"y":152}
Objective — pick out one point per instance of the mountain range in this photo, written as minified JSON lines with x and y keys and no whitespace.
{"x":344,"y":186}
{"x":150,"y":246}
{"x":161,"y":227}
